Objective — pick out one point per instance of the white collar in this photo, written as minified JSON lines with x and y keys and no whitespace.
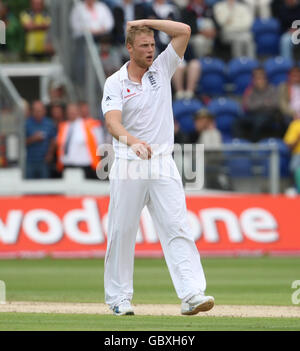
{"x":124,"y":71}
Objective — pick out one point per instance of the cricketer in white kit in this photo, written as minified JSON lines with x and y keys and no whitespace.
{"x":137,"y":104}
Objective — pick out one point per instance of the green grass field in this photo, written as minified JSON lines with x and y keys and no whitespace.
{"x":245,"y":281}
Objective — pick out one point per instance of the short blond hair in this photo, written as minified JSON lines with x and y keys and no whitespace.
{"x":136,"y":30}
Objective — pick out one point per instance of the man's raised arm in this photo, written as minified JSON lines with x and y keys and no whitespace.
{"x":179,"y":32}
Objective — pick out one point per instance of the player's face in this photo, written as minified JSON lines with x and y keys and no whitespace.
{"x":143,"y":49}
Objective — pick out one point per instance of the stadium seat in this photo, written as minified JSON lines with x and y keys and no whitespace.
{"x":238,"y":163}
{"x":184,"y":111}
{"x":211,"y":3}
{"x":240,"y":73}
{"x":284,"y":157}
{"x":226,"y":111}
{"x":266,"y":35}
{"x":277,"y":69}
{"x":213,"y":77}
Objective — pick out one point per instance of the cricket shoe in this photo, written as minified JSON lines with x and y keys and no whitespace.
{"x":198,"y":303}
{"x":123,"y":309}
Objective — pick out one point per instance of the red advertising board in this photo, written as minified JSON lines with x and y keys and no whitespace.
{"x":61,"y":226}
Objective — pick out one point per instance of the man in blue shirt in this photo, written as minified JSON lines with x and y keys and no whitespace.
{"x":40,"y":139}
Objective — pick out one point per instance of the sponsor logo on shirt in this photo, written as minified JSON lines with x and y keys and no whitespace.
{"x":128,"y":91}
{"x":152,"y":81}
{"x":108,"y":98}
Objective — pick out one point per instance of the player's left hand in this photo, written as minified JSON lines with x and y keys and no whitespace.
{"x":142,"y":150}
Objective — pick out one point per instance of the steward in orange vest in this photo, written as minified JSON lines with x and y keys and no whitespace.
{"x":90,"y":139}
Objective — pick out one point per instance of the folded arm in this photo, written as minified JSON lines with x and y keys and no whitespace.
{"x":116,"y":129}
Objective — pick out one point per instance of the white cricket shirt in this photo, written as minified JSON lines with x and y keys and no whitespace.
{"x":147,"y":107}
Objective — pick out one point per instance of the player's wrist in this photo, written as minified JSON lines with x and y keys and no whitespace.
{"x":131,"y":140}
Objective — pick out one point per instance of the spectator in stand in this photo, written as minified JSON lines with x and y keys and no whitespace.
{"x":77,"y":143}
{"x":261,"y":108}
{"x":206,"y":130}
{"x":58,"y":92}
{"x":287,"y":11}
{"x":95,"y":17}
{"x":128,"y":10}
{"x":57,"y":113}
{"x":235,"y":22}
{"x":260,"y":8}
{"x":91,"y":15}
{"x":179,"y":136}
{"x":85,"y":113}
{"x":166,"y":10}
{"x":200,"y":18}
{"x":14,"y":33}
{"x":207,"y":134}
{"x":289,"y":95}
{"x":36,"y":22}
{"x":186,"y":76}
{"x":40,"y":141}
{"x":110,"y":57}
{"x":292,"y":139}
{"x":84,"y":110}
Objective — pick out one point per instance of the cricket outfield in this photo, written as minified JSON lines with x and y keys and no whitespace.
{"x":250,"y":293}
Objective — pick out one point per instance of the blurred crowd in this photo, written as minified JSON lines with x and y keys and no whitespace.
{"x":220,"y":28}
{"x":62,"y":136}
{"x":215,"y":25}
{"x":27,"y":30}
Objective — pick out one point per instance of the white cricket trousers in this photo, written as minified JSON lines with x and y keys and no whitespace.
{"x":164,"y":196}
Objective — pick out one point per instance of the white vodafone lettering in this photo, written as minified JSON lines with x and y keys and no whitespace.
{"x":256,"y":224}
{"x":259,"y":225}
{"x":9,"y":233}
{"x":90,"y":215}
{"x":52,"y":235}
{"x":211,"y":216}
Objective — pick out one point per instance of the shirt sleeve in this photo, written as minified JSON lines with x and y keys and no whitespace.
{"x":291,"y":134}
{"x":168,"y":61}
{"x":112,"y":96}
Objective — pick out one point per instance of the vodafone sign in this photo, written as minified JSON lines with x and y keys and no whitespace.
{"x":76,"y":227}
